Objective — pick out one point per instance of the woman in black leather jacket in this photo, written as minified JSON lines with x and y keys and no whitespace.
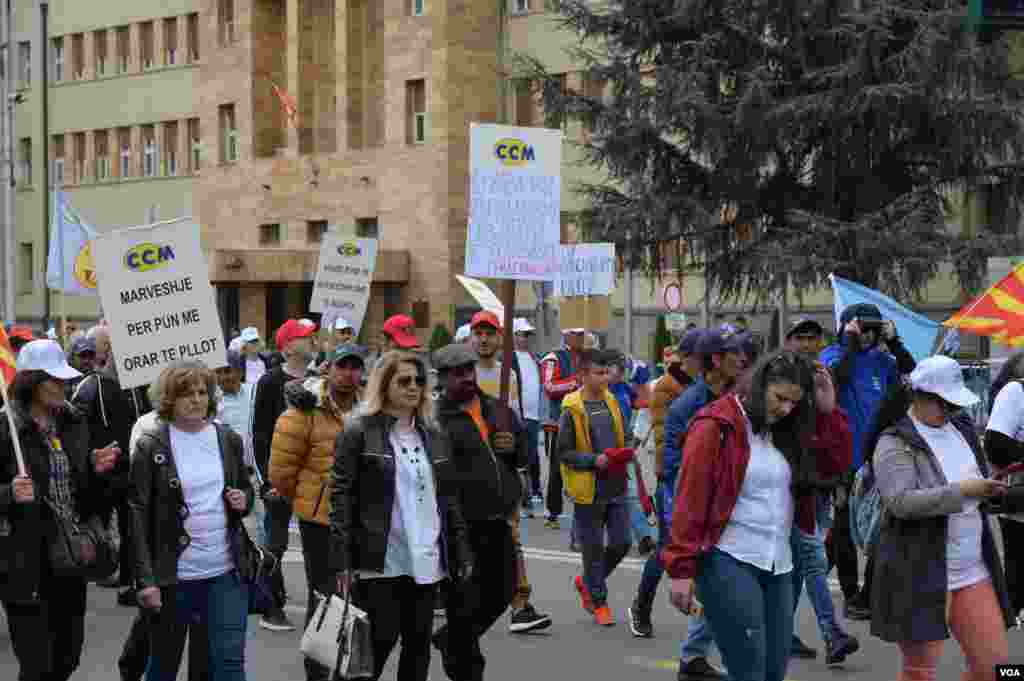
{"x":45,"y":612}
{"x":395,"y":523}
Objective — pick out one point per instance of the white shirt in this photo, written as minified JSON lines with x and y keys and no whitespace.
{"x":254,"y":369}
{"x":530,"y":373}
{"x":201,"y":472}
{"x":414,"y":541}
{"x":1008,"y":418}
{"x":964,"y":563}
{"x":759,"y":527}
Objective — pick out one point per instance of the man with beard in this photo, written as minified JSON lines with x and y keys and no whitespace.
{"x":295,"y":342}
{"x":488,"y":449}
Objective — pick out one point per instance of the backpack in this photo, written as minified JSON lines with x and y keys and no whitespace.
{"x":865,"y":509}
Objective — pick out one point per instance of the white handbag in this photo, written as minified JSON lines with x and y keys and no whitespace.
{"x":339,"y":638}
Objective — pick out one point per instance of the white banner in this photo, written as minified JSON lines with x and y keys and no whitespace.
{"x":156,"y":294}
{"x":586,"y":270}
{"x":515,"y":202}
{"x":482,"y":294}
{"x":343,"y":278}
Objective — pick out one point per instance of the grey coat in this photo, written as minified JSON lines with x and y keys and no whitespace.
{"x":908,"y":602}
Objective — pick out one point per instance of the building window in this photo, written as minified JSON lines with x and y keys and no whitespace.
{"x":171,"y":41}
{"x":149,"y":151}
{"x":26,"y":268}
{"x":58,"y":161}
{"x":102,"y":142}
{"x":193,"y":37}
{"x":195,"y":150}
{"x":315,"y":230}
{"x":124,"y":145}
{"x":367,"y":228}
{"x":228,"y":134}
{"x":417,"y":7}
{"x":99,"y":38}
{"x":555,"y":120}
{"x":124,"y":48}
{"x":24,"y":65}
{"x":146,"y":44}
{"x":526,"y":102}
{"x":270,"y":235}
{"x":226,"y":22}
{"x":170,"y":166}
{"x":416,"y":103}
{"x":78,"y":56}
{"x":57,"y":60}
{"x":79,"y":149}
{"x":25,"y":161}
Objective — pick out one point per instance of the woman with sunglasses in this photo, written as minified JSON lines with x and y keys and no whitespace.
{"x":395,"y":527}
{"x":936,"y":569}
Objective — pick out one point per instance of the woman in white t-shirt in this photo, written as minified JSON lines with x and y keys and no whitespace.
{"x":937,"y":570}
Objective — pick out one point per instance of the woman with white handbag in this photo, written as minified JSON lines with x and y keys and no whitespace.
{"x":395,"y":522}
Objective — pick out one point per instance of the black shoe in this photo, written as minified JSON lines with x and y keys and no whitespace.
{"x":645,"y":546}
{"x":640,"y":620}
{"x":127,"y":598}
{"x":527,"y":619}
{"x":111,"y":582}
{"x":699,"y":669}
{"x":856,"y":612}
{"x":800,"y":649}
{"x":841,"y":645}
{"x":574,"y":547}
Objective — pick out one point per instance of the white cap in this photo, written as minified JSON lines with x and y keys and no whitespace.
{"x":520,"y":325}
{"x":342,"y":323}
{"x":463,"y":333}
{"x":942,"y":376}
{"x":577,"y":329}
{"x":250,"y":334}
{"x":45,"y":355}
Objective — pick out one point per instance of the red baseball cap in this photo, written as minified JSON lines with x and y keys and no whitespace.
{"x":485,"y":317}
{"x":292,"y":330}
{"x":402,"y":330}
{"x":22,"y":332}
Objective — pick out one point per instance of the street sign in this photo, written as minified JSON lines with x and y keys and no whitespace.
{"x":675,"y":321}
{"x":672,"y":296}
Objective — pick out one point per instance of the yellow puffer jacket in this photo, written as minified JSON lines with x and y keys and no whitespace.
{"x":666,"y":390}
{"x":302,"y":451}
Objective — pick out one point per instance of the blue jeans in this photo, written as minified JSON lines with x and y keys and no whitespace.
{"x":653,"y":569}
{"x":599,"y":561}
{"x":532,"y":458}
{"x":750,"y":610}
{"x":222,"y":604}
{"x":811,"y":566}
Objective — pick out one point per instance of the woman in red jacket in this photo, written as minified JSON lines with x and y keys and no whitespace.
{"x":745,"y":462}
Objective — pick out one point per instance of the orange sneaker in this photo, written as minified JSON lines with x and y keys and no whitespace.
{"x":603,"y":616}
{"x":585,"y":601}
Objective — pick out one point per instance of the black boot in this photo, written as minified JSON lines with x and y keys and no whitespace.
{"x":839,"y":646}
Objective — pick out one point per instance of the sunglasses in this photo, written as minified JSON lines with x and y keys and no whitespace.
{"x":406,"y":381}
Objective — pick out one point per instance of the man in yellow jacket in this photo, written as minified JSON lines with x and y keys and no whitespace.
{"x":301,"y":459}
{"x":591,"y":449}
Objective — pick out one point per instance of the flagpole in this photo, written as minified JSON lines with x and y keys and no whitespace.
{"x":19,"y":458}
{"x":63,"y":272}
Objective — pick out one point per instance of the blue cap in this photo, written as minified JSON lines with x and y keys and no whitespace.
{"x":688,"y":345}
{"x":711,"y":342}
{"x":236,"y":360}
{"x":743,"y":341}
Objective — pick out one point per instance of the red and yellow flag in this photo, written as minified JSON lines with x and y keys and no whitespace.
{"x":997,"y":313}
{"x":8,"y":365}
{"x":291,"y":109}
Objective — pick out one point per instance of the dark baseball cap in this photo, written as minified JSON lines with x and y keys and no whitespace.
{"x":688,"y":345}
{"x":711,"y":342}
{"x":454,"y":355}
{"x":860,"y":311}
{"x":805,"y":325}
{"x":346,"y":350}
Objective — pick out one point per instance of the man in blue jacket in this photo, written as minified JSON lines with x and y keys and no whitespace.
{"x":863,"y":372}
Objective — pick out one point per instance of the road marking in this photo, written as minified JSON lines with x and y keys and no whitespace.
{"x":666,"y":665}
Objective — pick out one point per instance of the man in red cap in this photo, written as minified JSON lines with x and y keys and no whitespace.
{"x":399,"y":333}
{"x":296,"y":343}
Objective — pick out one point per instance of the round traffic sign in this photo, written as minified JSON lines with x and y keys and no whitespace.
{"x":672,"y":296}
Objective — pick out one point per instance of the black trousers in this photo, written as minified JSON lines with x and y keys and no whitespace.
{"x":315,"y":541}
{"x":135,"y":654}
{"x":275,"y":524}
{"x":554,"y":500}
{"x":126,"y":557}
{"x":1013,"y":545}
{"x":476,"y":604}
{"x":843,"y":553}
{"x":398,"y":608}
{"x":47,"y":635}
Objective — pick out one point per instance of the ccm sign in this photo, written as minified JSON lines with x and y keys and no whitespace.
{"x":147,"y":256}
{"x":514,"y":152}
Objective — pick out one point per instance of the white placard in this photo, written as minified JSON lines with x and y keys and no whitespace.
{"x":343,"y":278}
{"x":155,"y":288}
{"x":586,"y":270}
{"x":515,"y":202}
{"x":482,"y":294}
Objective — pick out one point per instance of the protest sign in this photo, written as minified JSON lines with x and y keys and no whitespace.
{"x":343,"y":278}
{"x":585,"y":270}
{"x":156,"y":295}
{"x":482,"y":294}
{"x":593,"y":313}
{"x":515,"y":202}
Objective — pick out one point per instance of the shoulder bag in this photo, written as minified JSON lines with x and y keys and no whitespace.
{"x":339,"y":638}
{"x":80,"y":549}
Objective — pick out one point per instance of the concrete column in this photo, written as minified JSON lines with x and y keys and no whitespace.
{"x":292,"y":70}
{"x":89,"y":55}
{"x":158,"y":43}
{"x":136,"y":146}
{"x":89,"y":160}
{"x":341,"y":19}
{"x":134,"y":48}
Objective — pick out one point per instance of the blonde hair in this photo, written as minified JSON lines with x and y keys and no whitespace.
{"x":376,"y":396}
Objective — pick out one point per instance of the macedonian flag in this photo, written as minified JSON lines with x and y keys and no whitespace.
{"x":8,"y":365}
{"x":998,"y":313}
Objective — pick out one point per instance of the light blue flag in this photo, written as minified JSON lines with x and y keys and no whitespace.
{"x":917,"y":331}
{"x":70,"y":267}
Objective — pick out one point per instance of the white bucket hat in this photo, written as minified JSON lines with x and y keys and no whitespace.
{"x":463,"y":333}
{"x":943,"y":376}
{"x":250,"y":334}
{"x":45,"y":355}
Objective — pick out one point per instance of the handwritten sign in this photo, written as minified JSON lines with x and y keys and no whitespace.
{"x":343,"y":278}
{"x":156,"y":294}
{"x":593,"y":313}
{"x":482,"y":294}
{"x":515,"y":202}
{"x":586,"y":270}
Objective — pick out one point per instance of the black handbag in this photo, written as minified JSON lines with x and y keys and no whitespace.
{"x":81,"y":548}
{"x":257,"y":566}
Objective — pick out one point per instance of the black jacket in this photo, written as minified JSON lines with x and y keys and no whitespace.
{"x":25,"y":528}
{"x":489,"y":485}
{"x":363,"y":494}
{"x":158,"y":503}
{"x":268,"y":404}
